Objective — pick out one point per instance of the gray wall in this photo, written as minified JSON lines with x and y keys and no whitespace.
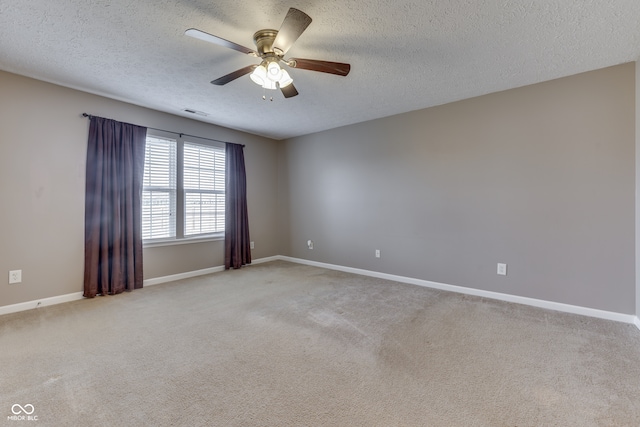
{"x":637,"y":87}
{"x":42,"y":165}
{"x":541,"y":178}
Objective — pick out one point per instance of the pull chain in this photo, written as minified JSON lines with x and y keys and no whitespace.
{"x":264,"y":95}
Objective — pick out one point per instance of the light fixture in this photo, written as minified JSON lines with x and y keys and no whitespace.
{"x":269,"y":75}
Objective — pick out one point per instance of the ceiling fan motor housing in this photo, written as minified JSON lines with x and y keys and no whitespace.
{"x":264,"y":41}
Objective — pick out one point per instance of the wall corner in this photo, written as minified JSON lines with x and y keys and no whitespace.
{"x":637,"y":192}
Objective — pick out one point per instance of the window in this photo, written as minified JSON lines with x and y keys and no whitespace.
{"x":183,"y":190}
{"x":203,"y":189}
{"x":159,"y":189}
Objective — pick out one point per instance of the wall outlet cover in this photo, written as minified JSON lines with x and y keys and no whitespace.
{"x":502,"y":269}
{"x":15,"y":276}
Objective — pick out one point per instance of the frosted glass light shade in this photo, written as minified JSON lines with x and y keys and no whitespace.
{"x":268,"y":84}
{"x":259,"y":75}
{"x":274,"y":72}
{"x":286,"y":79}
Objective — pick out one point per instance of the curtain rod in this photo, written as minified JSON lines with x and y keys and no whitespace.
{"x":176,"y":133}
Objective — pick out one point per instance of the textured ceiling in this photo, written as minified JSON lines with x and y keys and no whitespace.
{"x":405,"y":55}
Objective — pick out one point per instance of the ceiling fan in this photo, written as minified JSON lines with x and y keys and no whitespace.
{"x":272,"y":45}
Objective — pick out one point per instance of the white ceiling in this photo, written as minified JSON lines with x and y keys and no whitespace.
{"x":404,"y":54}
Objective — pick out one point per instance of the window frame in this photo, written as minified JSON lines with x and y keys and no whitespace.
{"x":180,"y":238}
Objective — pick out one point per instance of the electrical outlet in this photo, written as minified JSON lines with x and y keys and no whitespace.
{"x":377,"y":253}
{"x":15,"y":276}
{"x":502,"y":269}
{"x":310,"y":244}
{"x":252,"y":244}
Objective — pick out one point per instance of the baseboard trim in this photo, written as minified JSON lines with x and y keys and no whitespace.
{"x":180,"y":276}
{"x":267,"y":259}
{"x":196,"y":273}
{"x":43,"y":302}
{"x":566,"y":308}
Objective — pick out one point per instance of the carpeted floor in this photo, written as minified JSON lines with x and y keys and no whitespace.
{"x":282,"y":344}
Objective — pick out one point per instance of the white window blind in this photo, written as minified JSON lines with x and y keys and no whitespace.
{"x":204,"y":186}
{"x":159,"y":189}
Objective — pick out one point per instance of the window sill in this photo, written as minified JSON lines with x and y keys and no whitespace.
{"x":184,"y":241}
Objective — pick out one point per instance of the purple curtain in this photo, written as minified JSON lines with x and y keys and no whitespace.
{"x":113,"y":218}
{"x":237,"y":251}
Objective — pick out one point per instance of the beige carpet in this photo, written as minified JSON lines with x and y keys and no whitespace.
{"x":282,"y":344}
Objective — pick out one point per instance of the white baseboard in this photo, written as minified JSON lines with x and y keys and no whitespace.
{"x":267,"y":259}
{"x":180,"y":276}
{"x":195,"y":273}
{"x":591,"y":312}
{"x":40,"y":303}
{"x":566,"y":308}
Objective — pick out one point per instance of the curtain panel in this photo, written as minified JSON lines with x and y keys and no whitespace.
{"x":237,"y":250}
{"x":113,"y":218}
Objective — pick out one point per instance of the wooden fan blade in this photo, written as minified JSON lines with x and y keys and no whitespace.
{"x":289,"y":91}
{"x":192,"y":32}
{"x":232,"y":76}
{"x":292,"y":27}
{"x":338,"y":68}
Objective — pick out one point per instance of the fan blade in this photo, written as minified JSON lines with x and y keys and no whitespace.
{"x":232,"y":76}
{"x":292,"y":27}
{"x":289,"y":91}
{"x":192,"y":32}
{"x":339,"y":68}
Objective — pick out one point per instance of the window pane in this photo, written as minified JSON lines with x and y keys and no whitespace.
{"x":204,"y":181}
{"x":159,"y":189}
{"x":204,"y":213}
{"x":160,"y":163}
{"x":203,"y":167}
{"x":158,"y":215}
